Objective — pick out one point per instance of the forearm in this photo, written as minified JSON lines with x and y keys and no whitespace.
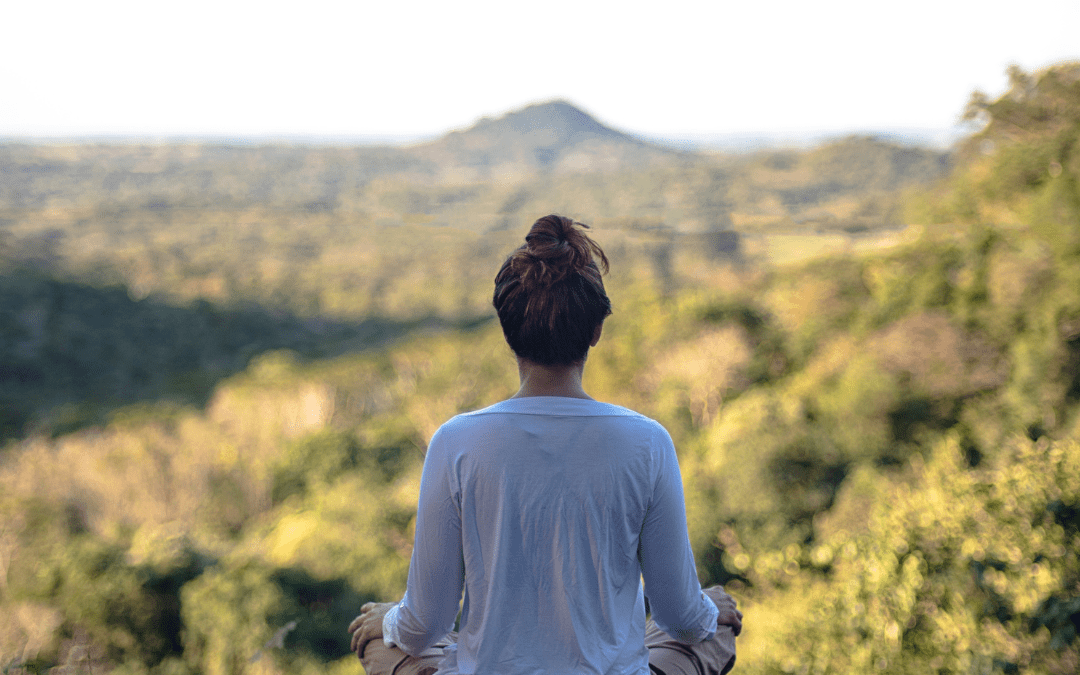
{"x":678,"y":604}
{"x":436,"y":570}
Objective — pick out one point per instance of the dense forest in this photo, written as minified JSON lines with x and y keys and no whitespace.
{"x":220,"y":366}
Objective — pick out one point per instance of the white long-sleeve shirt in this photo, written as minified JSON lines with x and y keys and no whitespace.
{"x":550,"y":512}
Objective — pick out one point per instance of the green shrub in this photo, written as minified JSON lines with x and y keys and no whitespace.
{"x":961,"y":571}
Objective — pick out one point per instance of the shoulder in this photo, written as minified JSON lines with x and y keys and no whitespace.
{"x":555,"y":406}
{"x":550,"y":412}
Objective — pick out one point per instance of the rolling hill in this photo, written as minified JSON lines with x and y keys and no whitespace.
{"x":545,"y":137}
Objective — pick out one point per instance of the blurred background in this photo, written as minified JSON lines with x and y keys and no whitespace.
{"x":246,"y":258}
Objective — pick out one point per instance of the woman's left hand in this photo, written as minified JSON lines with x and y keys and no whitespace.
{"x":729,"y":615}
{"x":368,"y":626}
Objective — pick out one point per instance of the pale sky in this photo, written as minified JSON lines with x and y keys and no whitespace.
{"x":385,"y":68}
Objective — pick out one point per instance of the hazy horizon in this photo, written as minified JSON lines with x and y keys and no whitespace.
{"x":119,"y":68}
{"x":936,"y":137}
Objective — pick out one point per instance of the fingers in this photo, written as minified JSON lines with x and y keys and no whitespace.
{"x":359,"y":643}
{"x":356,"y":623}
{"x":722,"y":599}
{"x":368,"y":625}
{"x":730,"y":617}
{"x":354,"y":643}
{"x":726,"y":608}
{"x":361,"y":634}
{"x":356,"y":629}
{"x":364,"y":609}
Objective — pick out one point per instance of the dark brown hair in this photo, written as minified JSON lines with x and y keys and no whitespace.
{"x":549,"y":293}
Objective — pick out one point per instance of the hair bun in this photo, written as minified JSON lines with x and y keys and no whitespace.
{"x":556,"y":247}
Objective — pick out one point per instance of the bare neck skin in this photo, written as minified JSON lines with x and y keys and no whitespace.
{"x":538,"y":380}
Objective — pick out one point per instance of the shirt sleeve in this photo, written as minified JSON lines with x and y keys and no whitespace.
{"x":678,"y":605}
{"x":436,"y":569}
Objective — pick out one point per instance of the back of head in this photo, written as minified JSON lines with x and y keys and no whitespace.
{"x":549,"y":294}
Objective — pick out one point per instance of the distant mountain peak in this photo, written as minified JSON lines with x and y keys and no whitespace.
{"x":542,"y":136}
{"x":558,"y":114}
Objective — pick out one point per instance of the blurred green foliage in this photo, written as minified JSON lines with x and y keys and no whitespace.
{"x":960,"y":570}
{"x":881,"y":452}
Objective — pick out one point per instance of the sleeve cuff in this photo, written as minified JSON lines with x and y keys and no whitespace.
{"x":389,"y":627}
{"x":713,"y":615}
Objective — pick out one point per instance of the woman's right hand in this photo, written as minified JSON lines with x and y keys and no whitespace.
{"x":368,"y":626}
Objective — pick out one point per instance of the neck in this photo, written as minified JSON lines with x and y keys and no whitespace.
{"x":538,"y":380}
